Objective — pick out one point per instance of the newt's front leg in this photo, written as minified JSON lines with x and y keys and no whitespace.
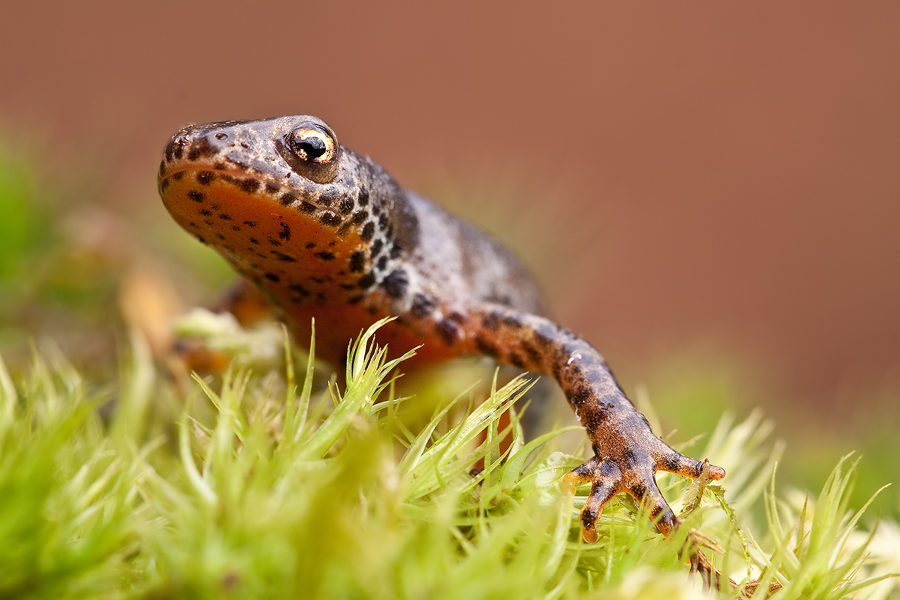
{"x":626,"y":452}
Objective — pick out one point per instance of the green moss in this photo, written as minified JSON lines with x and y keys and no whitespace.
{"x":261,"y":486}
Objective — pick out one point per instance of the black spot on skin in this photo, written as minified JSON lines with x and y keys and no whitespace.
{"x":287,"y":199}
{"x":487,"y":348}
{"x":355,"y":299}
{"x":285,"y":232}
{"x":447,"y":328}
{"x":366,"y":281}
{"x":219,"y":166}
{"x":283,"y":257}
{"x":205,"y":213}
{"x":296,"y":287}
{"x":359,"y":217}
{"x":346,"y":206}
{"x":201,"y":240}
{"x":329,"y":196}
{"x":589,"y":517}
{"x":363,"y":197}
{"x":178,"y":175}
{"x":307,"y":208}
{"x":201,"y":147}
{"x":310,"y":245}
{"x":250,"y":223}
{"x":382,"y":263}
{"x":220,"y":236}
{"x":579,"y":395}
{"x":170,"y":147}
{"x":274,"y":242}
{"x":163,"y":185}
{"x":348,"y":286}
{"x":640,"y":490}
{"x":491,"y":321}
{"x":330,"y":219}
{"x":457,"y":316}
{"x":344,"y":229}
{"x":209,"y":222}
{"x":272,"y":188}
{"x":422,"y":305}
{"x":253,"y":240}
{"x":554,"y":370}
{"x":396,"y":283}
{"x":194,"y":225}
{"x":382,"y":222}
{"x":512,"y":322}
{"x":325,"y":255}
{"x":205,"y":177}
{"x":273,"y":277}
{"x":317,"y":279}
{"x":368,"y":232}
{"x":517,"y":360}
{"x":225,"y":217}
{"x":357,"y":261}
{"x":376,"y":246}
{"x":235,"y":227}
{"x":248,"y":185}
{"x":533,"y":353}
{"x":672,"y":463}
{"x":216,"y":206}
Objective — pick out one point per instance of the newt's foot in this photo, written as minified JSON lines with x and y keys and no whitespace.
{"x":631,"y":468}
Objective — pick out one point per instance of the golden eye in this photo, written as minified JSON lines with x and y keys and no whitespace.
{"x":312,"y":145}
{"x":312,"y":150}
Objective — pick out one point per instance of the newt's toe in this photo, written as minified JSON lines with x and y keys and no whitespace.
{"x":606,"y":482}
{"x":672,"y":461}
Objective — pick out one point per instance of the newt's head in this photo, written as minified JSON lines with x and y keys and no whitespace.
{"x":286,"y":205}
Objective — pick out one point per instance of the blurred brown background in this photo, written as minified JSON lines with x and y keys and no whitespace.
{"x":719,"y":180}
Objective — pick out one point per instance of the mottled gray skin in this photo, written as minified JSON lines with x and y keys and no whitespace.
{"x":345,"y":243}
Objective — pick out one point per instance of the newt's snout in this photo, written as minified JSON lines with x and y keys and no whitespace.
{"x":193,"y":143}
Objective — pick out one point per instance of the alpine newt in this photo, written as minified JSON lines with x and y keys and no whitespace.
{"x":323,"y":232}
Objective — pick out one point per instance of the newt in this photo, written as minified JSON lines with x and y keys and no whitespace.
{"x":323,"y":232}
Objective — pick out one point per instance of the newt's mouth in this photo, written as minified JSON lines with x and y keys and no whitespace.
{"x":195,"y":179}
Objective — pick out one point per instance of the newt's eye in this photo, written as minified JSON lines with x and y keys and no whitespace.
{"x":312,"y":144}
{"x":312,"y":150}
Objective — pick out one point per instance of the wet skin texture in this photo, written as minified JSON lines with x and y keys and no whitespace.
{"x":323,"y":232}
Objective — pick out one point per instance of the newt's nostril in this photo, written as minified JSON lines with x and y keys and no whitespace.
{"x":175,"y":147}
